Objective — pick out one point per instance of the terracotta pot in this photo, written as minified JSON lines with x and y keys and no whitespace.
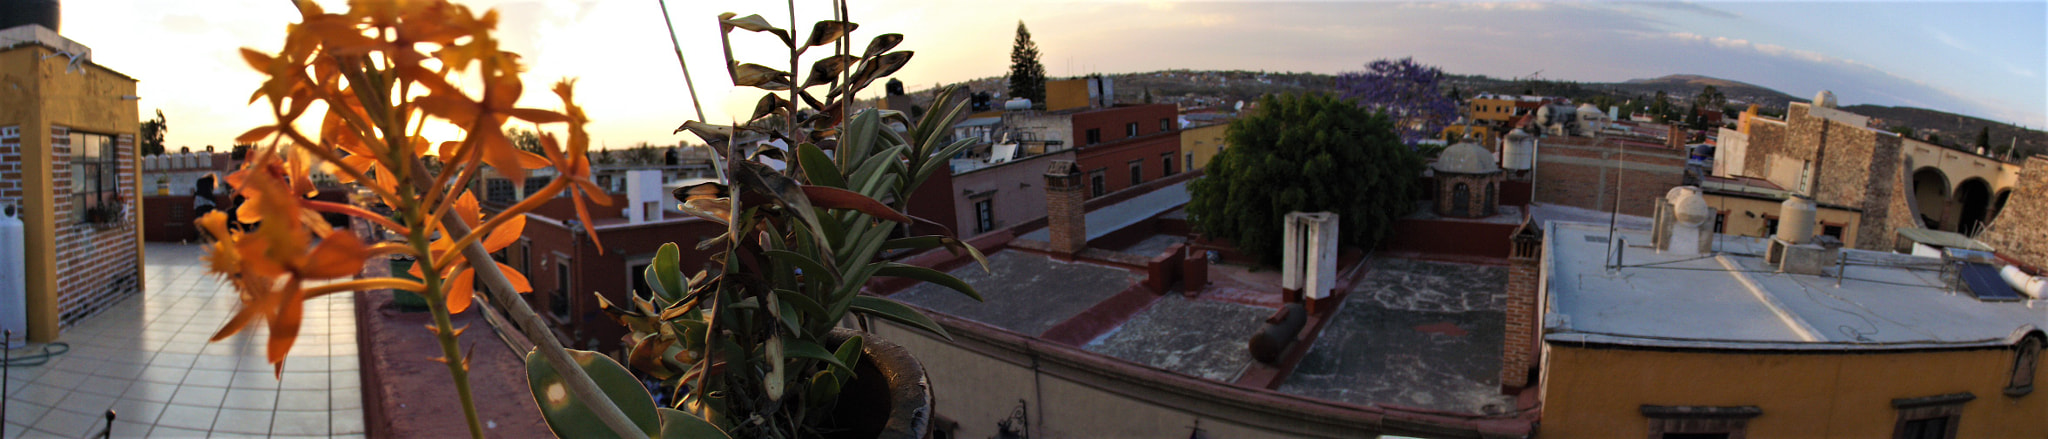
{"x":889,"y":397}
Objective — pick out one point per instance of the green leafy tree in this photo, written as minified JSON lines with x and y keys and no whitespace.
{"x":1306,"y":153}
{"x":153,"y":134}
{"x":1984,"y":137}
{"x":525,"y":140}
{"x":1027,"y":75}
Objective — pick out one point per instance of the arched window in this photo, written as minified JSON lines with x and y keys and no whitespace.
{"x":1491,"y":202}
{"x":1461,"y":200}
{"x":2025,"y":361}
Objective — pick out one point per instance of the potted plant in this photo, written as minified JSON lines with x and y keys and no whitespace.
{"x":750,"y":341}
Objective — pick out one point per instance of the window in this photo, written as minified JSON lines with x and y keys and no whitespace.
{"x":1720,"y":222}
{"x":1191,"y":161}
{"x":1166,"y":164}
{"x":1096,"y":185}
{"x":1137,"y":172}
{"x":1929,"y":417}
{"x":535,"y":184}
{"x":1770,"y":226}
{"x":1699,"y":422}
{"x":1094,"y":136}
{"x":1834,"y":230}
{"x":559,"y":302}
{"x":93,"y":172}
{"x":984,"y":216}
{"x":2025,"y":361}
{"x":525,"y":256}
{"x":1131,"y":130}
{"x":1165,"y":124}
{"x":499,"y":191}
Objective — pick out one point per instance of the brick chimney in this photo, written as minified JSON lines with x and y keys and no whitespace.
{"x":1518,"y":348}
{"x":1066,"y":217}
{"x":1676,"y":140}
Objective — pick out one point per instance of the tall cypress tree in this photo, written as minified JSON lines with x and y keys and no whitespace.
{"x":1027,"y":76}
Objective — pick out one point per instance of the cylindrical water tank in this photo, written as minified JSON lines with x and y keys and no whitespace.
{"x":23,"y":12}
{"x":13,"y":283}
{"x":1017,"y":104}
{"x":1795,"y":220}
{"x":1518,"y":151}
{"x":1688,"y":208}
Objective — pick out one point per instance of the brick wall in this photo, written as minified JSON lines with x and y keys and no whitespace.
{"x":1476,"y":188}
{"x":2021,"y":230}
{"x":1856,"y":166}
{"x":1065,"y":209}
{"x":1571,"y":171}
{"x":95,"y":264}
{"x":1518,"y":347}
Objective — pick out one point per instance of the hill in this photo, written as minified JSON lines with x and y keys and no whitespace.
{"x":1954,"y":129}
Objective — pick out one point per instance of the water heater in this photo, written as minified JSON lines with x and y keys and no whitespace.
{"x":13,"y":281}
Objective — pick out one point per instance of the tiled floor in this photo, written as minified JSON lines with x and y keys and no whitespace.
{"x":148,"y":359}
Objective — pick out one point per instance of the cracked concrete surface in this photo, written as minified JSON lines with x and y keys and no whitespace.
{"x":1413,"y":333}
{"x":1200,"y":338}
{"x":1027,"y":292}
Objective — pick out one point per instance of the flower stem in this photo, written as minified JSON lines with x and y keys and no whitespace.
{"x":437,"y":295}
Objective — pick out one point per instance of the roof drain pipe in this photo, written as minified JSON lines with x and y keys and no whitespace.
{"x":2032,"y":286}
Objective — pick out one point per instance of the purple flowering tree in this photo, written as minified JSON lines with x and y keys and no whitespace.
{"x":1407,"y":92}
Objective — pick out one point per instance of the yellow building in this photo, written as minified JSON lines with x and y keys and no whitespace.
{"x":1201,"y":144}
{"x":1749,"y":207}
{"x":67,"y":154}
{"x":1492,"y":108}
{"x":1724,"y":344}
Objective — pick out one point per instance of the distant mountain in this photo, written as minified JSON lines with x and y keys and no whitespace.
{"x":1955,"y":130}
{"x":1687,"y":85}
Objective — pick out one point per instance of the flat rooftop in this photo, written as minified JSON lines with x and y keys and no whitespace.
{"x":1733,"y":299}
{"x":1413,"y":333}
{"x":1026,"y":293}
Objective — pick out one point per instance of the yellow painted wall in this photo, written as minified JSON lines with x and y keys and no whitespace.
{"x":1595,"y":392}
{"x":38,"y":89}
{"x":1738,"y":223}
{"x":1491,"y":110}
{"x":1066,"y":93}
{"x":1201,"y":143}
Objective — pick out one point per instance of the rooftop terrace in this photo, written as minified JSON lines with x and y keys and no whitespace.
{"x":1734,"y":299}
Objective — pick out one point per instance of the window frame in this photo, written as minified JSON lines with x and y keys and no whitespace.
{"x":559,"y":304}
{"x":1094,"y":136}
{"x":1930,"y":407}
{"x":1730,"y":420}
{"x":1137,"y":172}
{"x":97,"y":164}
{"x":1130,"y":130}
{"x":2026,"y":363}
{"x":1098,"y":182}
{"x":1165,"y":124}
{"x":1166,"y":163}
{"x":984,"y":215}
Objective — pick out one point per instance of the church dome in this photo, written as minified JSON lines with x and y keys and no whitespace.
{"x":1466,"y":158}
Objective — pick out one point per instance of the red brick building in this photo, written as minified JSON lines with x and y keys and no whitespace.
{"x":1124,"y":146}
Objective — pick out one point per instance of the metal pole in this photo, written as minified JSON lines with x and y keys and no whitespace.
{"x":679,"y":59}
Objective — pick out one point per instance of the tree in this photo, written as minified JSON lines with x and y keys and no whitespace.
{"x":1984,"y":137}
{"x":1306,"y":153}
{"x":1027,"y":76}
{"x":525,"y":140}
{"x":1408,"y":93}
{"x":153,"y":134}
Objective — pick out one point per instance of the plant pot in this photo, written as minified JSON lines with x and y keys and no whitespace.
{"x":888,"y":398}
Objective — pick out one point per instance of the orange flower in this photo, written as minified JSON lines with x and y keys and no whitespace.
{"x":270,"y":288}
{"x":574,"y":165}
{"x":460,"y":276}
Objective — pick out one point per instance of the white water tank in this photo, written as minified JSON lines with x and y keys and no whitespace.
{"x":13,"y":281}
{"x":1518,"y":151}
{"x":1017,"y":104}
{"x":1795,"y":220}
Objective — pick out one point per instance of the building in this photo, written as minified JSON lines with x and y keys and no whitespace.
{"x":1200,"y":144}
{"x":1126,"y":145}
{"x":1499,"y":109}
{"x":1747,"y":206}
{"x":68,"y":158}
{"x":1591,"y":172}
{"x":1676,"y":343}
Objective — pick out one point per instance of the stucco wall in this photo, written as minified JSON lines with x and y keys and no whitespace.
{"x":1015,"y":191}
{"x":1745,"y":216}
{"x":1199,"y":145}
{"x":1596,"y":392}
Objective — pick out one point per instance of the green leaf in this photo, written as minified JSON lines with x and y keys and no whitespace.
{"x":849,"y":354}
{"x":804,"y":304}
{"x":915,"y":242}
{"x":836,"y":198}
{"x":668,"y":272}
{"x":677,"y":424}
{"x":818,"y":167}
{"x":828,"y":31}
{"x":569,"y":417}
{"x":801,"y":348}
{"x":897,"y":312}
{"x":810,"y":266}
{"x":825,"y":386}
{"x":894,"y":269}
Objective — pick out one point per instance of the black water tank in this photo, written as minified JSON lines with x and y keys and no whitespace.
{"x":20,"y":12}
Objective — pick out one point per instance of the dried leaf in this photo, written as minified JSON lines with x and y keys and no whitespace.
{"x":882,"y":43}
{"x":828,"y":31}
{"x":825,"y":70}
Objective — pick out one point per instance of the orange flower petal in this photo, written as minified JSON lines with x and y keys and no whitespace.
{"x":340,"y":255}
{"x":461,"y":290}
{"x":505,"y":234}
{"x":518,"y":279}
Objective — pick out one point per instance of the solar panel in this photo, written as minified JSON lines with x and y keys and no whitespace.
{"x":1985,"y":283}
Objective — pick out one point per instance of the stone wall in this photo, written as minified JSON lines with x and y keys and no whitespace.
{"x":1518,"y":347}
{"x":2021,"y":230}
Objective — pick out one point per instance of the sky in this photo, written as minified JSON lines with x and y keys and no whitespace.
{"x":1981,"y":59}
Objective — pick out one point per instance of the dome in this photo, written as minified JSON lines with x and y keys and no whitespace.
{"x":1466,"y":158}
{"x":1688,"y":207}
{"x":1824,"y":99}
{"x":1590,"y":112}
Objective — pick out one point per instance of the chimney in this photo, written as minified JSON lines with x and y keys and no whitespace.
{"x":1676,"y":139}
{"x":643,"y":196}
{"x":1518,"y":347}
{"x":1066,"y":216}
{"x":1309,"y":262}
